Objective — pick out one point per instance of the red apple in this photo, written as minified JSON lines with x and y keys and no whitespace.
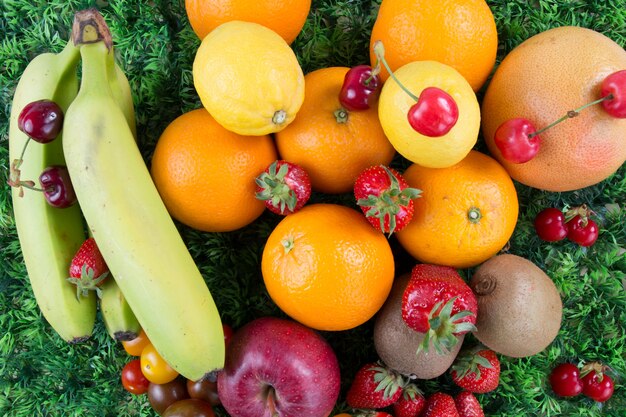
{"x":279,"y":368}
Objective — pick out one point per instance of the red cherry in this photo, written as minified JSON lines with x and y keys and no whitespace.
{"x":565,"y":380}
{"x":41,"y":120}
{"x":582,"y":231}
{"x":550,"y":225}
{"x":513,"y":139}
{"x":434,"y":114}
{"x":359,"y":88}
{"x":57,"y":187}
{"x":598,"y":386}
{"x":615,"y":85}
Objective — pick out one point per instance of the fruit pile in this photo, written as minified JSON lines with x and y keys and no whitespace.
{"x":385,"y":197}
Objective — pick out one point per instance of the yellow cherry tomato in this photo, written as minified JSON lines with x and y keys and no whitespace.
{"x":135,"y":346}
{"x":155,"y":368}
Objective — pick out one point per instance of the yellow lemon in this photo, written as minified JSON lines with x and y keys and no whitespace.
{"x":248,"y":78}
{"x":394,"y":105}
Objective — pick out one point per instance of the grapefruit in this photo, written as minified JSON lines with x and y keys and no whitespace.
{"x":542,"y":79}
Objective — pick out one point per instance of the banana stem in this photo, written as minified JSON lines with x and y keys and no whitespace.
{"x":571,"y":114}
{"x":379,"y":51}
{"x":90,"y":27}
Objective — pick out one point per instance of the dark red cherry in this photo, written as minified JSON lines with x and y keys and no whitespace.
{"x":359,"y":88}
{"x":57,"y":186}
{"x":434,"y":114}
{"x":517,"y":141}
{"x":615,"y":85}
{"x":41,"y":120}
{"x":550,"y":225}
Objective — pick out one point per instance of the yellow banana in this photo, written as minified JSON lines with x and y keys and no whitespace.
{"x":49,"y":237}
{"x":119,"y":319}
{"x":135,"y":233}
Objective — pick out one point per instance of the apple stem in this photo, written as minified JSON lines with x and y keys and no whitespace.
{"x":379,"y":51}
{"x":571,"y":114}
{"x":271,"y":402}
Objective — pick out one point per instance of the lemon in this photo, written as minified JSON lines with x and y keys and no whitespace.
{"x":248,"y":78}
{"x":394,"y":105}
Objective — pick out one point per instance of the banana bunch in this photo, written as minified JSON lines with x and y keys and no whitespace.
{"x":157,"y":285}
{"x":134,"y":231}
{"x":49,"y":237}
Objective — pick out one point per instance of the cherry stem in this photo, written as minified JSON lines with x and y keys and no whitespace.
{"x":26,"y":185}
{"x":571,"y":114}
{"x":28,"y":139}
{"x":379,"y":51}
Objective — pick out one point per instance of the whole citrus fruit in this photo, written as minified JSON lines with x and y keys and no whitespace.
{"x":327,"y":267}
{"x":465,"y":215}
{"x":248,"y":78}
{"x":286,"y":17}
{"x":394,"y":104}
{"x":332,"y":144}
{"x":541,"y":80}
{"x":205,"y":174}
{"x":459,"y":33}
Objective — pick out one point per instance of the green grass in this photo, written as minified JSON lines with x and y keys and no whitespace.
{"x":40,"y":375}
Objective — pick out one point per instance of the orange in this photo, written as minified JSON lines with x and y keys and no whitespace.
{"x":332,"y":144}
{"x":206,"y":174}
{"x":465,"y":215}
{"x":327,"y":267}
{"x":541,"y":80}
{"x":458,"y":33}
{"x":286,"y":17}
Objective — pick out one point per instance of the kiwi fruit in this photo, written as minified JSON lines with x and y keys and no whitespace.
{"x":396,"y":343}
{"x":519,"y":307}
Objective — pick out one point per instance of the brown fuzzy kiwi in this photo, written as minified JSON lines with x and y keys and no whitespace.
{"x":396,"y":343}
{"x":519,"y":307}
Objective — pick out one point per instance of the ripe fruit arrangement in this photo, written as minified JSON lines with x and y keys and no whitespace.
{"x":230,"y":260}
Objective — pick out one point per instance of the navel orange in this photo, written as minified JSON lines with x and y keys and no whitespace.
{"x":206,"y":174}
{"x":541,"y":80}
{"x":327,"y":267}
{"x":458,"y":33}
{"x":332,"y":144}
{"x":466,"y":213}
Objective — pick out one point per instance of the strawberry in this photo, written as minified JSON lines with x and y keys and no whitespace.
{"x":370,"y":413}
{"x":440,"y":405}
{"x":411,"y":403}
{"x":385,"y":198}
{"x":88,"y":270}
{"x":467,"y":405}
{"x":477,"y":370}
{"x":438,"y":302}
{"x":374,"y":386}
{"x":284,"y":187}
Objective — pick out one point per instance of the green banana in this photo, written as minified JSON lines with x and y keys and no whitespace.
{"x":135,"y":233}
{"x":119,"y":319}
{"x":120,"y":88}
{"x":49,"y":237}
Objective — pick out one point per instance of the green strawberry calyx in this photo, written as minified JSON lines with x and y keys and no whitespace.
{"x":388,"y":203}
{"x":444,"y":327}
{"x":88,"y":282}
{"x":274,"y":189}
{"x":388,"y":381}
{"x":471,"y":362}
